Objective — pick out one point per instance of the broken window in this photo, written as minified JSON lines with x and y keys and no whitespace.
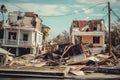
{"x":96,"y":39}
{"x":25,"y":37}
{"x":95,"y":29}
{"x":12,"y":35}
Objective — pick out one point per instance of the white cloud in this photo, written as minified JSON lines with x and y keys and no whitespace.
{"x":76,"y":6}
{"x":87,"y":10}
{"x":24,"y":0}
{"x":99,"y":14}
{"x":87,"y":18}
{"x":90,"y":1}
{"x":46,"y":10}
{"x":76,"y":11}
{"x":41,"y":9}
{"x":98,"y":1}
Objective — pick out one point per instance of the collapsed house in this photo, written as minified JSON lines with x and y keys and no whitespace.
{"x":22,"y":33}
{"x":91,"y":32}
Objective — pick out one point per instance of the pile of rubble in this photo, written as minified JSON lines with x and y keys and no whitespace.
{"x":77,"y":57}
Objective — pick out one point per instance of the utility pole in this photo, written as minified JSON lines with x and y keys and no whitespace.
{"x":109,"y":39}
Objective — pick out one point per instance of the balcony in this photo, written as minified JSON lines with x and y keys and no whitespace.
{"x":11,"y":42}
{"x":15,"y":42}
{"x":21,"y":43}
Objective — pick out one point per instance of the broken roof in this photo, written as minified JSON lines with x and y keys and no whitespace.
{"x":83,"y":23}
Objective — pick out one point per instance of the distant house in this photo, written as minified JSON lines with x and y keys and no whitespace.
{"x":22,"y":34}
{"x":91,"y":31}
{"x":46,"y":33}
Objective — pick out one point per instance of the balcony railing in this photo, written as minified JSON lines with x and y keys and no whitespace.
{"x":23,"y":43}
{"x":15,"y":42}
{"x":11,"y":42}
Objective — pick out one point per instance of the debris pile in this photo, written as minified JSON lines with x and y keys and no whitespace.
{"x":5,"y":57}
{"x":77,"y":57}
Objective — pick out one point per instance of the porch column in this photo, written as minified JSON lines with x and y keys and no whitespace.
{"x":4,"y":36}
{"x":34,"y":50}
{"x":18,"y":38}
{"x":17,"y":51}
{"x":73,"y":39}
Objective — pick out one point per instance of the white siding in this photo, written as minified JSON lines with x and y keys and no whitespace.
{"x":39,"y":38}
{"x":33,"y":38}
{"x":29,"y":36}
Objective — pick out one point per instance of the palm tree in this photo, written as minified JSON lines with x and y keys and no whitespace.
{"x":3,"y":10}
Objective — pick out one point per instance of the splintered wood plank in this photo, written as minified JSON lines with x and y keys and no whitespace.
{"x":78,"y":73}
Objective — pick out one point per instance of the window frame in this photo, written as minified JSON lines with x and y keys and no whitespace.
{"x":25,"y":39}
{"x":96,"y":39}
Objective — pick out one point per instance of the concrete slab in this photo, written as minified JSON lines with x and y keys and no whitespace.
{"x":44,"y":70}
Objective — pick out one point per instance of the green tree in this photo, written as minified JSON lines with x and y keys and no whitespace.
{"x":115,"y":34}
{"x":62,"y":38}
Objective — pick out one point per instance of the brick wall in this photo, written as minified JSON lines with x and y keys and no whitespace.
{"x":89,"y":39}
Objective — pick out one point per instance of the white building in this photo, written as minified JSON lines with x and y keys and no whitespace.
{"x":90,"y":32}
{"x":22,"y":34}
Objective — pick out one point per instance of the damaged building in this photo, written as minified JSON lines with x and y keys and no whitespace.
{"x":91,"y":32}
{"x":46,"y":33}
{"x":22,"y":34}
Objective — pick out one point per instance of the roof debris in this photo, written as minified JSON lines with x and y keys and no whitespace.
{"x":78,"y":58}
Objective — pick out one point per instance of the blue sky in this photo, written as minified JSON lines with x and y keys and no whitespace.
{"x":59,"y":14}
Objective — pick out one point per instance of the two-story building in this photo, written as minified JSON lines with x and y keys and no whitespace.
{"x":91,"y":31}
{"x":22,"y":33}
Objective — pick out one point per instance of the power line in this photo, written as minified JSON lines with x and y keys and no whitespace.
{"x":80,"y":11}
{"x":15,"y":5}
{"x":115,"y":15}
{"x":104,"y":16}
{"x":77,"y":12}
